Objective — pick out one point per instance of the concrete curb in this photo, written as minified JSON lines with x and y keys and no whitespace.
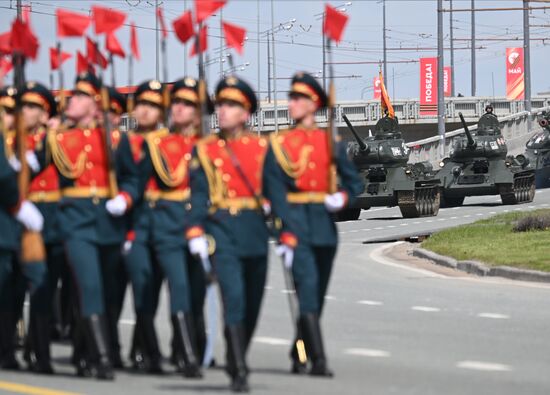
{"x":480,"y":269}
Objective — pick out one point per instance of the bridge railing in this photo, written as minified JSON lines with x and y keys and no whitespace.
{"x":516,"y":129}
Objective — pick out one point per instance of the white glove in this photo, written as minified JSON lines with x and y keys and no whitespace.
{"x":14,"y":163}
{"x":126,"y":247}
{"x":287,"y":253}
{"x":116,"y":206}
{"x":30,"y":216}
{"x":335,"y":202}
{"x":198,"y":246}
{"x":32,"y":161}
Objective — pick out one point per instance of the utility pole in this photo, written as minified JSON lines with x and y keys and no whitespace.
{"x":221,"y":43}
{"x":384,"y":39}
{"x":440,"y":94}
{"x":324,"y":53}
{"x":268,"y":70}
{"x":452,"y":50}
{"x":157,"y":39}
{"x":473,"y":62}
{"x":258,"y":44}
{"x":274,"y":68}
{"x":526,"y":57}
{"x":185,"y":46}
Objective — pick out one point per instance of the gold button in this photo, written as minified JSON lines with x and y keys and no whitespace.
{"x":221,"y":143}
{"x":187,"y":156}
{"x":93,"y":183}
{"x":95,"y":200}
{"x":152,"y":204}
{"x":312,"y":165}
{"x":89,"y":165}
{"x":42,"y":183}
{"x":87,"y":132}
{"x":87,"y":148}
{"x":245,"y":140}
{"x":313,"y":183}
{"x":231,"y":193}
{"x":156,"y":140}
{"x":116,"y":134}
{"x":187,"y":206}
{"x":233,"y":210}
{"x":36,"y":137}
{"x":280,"y":139}
{"x":59,"y":137}
{"x":226,"y":177}
{"x":218,"y":162}
{"x":262,"y":143}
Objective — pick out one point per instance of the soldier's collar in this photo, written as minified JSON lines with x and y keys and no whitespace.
{"x":300,"y":125}
{"x":233,"y":136}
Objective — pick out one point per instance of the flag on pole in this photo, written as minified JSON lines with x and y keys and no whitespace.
{"x":82,"y":64}
{"x":71,"y":24}
{"x":57,"y":59}
{"x":183,"y":26}
{"x":334,"y":23}
{"x":205,"y":8}
{"x":234,"y":36}
{"x":203,"y":42}
{"x":134,"y":47}
{"x":385,"y":98}
{"x":160,"y":17}
{"x":5,"y":43}
{"x":94,"y":55}
{"x":107,"y":20}
{"x":6,"y":65}
{"x":23,"y":39}
{"x":113,"y":45}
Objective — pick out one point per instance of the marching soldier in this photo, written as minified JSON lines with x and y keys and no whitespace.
{"x":91,"y":219}
{"x":13,"y":214}
{"x":303,"y":155}
{"x":232,"y":174}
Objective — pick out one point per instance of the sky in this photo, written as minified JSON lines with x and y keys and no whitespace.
{"x":410,"y":25}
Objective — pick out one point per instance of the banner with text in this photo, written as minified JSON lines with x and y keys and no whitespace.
{"x":428,"y":86}
{"x":447,"y":81}
{"x":377,"y":89}
{"x":515,"y":83}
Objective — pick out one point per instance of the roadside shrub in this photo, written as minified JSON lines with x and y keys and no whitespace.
{"x":533,"y":223}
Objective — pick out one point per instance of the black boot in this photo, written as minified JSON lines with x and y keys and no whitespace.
{"x":39,"y":344}
{"x":7,"y":346}
{"x":137,"y":352}
{"x":236,"y":363}
{"x":80,"y":358}
{"x":112,"y":321}
{"x":148,"y":342}
{"x":314,"y":345}
{"x":200,"y":332}
{"x":98,"y":346}
{"x":185,"y":346}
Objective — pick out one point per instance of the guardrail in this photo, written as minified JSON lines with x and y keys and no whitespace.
{"x":516,"y":129}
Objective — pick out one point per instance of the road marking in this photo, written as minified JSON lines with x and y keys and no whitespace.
{"x":370,"y":302}
{"x":480,"y":214}
{"x":391,"y":226}
{"x":27,"y":389}
{"x":268,"y":287}
{"x":426,"y":309}
{"x":288,"y":291}
{"x":483,"y":366}
{"x":378,"y":256}
{"x":272,"y":341}
{"x":367,"y":352}
{"x":330,"y":297}
{"x":495,"y":316}
{"x":453,"y":218}
{"x":404,"y":224}
{"x":492,"y":212}
{"x":466,"y":216}
{"x":127,"y":322}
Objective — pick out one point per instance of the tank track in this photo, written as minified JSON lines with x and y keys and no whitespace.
{"x":522,"y":191}
{"x":422,"y":202}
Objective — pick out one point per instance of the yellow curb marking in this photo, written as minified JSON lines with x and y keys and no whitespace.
{"x":30,"y":390}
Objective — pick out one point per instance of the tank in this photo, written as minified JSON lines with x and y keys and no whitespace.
{"x":389,"y":180}
{"x":479,"y":164}
{"x":537,"y":151}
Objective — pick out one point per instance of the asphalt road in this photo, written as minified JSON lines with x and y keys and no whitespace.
{"x":390,"y":328}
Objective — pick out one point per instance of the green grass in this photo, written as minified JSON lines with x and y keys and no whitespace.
{"x":493,"y":242}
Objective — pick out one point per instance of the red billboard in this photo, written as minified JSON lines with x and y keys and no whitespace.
{"x":428,"y":86}
{"x":447,"y":81}
{"x":515,"y":83}
{"x":377,"y":90}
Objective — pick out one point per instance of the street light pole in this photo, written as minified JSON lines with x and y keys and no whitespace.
{"x":274,"y":68}
{"x":473,"y":63}
{"x":452,"y":50}
{"x":384,"y":39}
{"x":324,"y":54}
{"x":526,"y":57}
{"x":157,"y":68}
{"x":440,"y":88}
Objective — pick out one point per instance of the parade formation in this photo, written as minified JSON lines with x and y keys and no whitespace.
{"x":100,"y":208}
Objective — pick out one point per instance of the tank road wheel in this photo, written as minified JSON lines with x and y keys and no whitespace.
{"x":507,"y":194}
{"x":451,"y":201}
{"x":407,"y":204}
{"x":349,"y":214}
{"x":436,"y":200}
{"x":531,"y":189}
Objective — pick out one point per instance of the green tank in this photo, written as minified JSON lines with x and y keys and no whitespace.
{"x":389,"y":180}
{"x":479,"y":164}
{"x":538,"y":152}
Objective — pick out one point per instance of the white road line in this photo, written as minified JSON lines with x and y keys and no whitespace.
{"x":466,"y":216}
{"x":426,"y":309}
{"x":480,"y":214}
{"x":287,"y":291}
{"x":127,"y":322}
{"x":366,"y":352}
{"x":495,"y":316}
{"x":453,"y":218}
{"x":492,"y":212}
{"x":272,"y":341}
{"x":330,"y":297}
{"x":378,"y":256}
{"x":483,"y":366}
{"x":268,"y":287}
{"x":370,"y":302}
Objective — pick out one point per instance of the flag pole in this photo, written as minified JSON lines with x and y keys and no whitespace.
{"x":62,"y":98}
{"x":331,"y":112}
{"x":112,"y":63}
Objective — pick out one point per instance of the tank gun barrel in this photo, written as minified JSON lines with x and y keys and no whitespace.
{"x":362,"y":145}
{"x":471,"y":141}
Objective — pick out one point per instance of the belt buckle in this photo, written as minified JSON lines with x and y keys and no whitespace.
{"x":95,"y":200}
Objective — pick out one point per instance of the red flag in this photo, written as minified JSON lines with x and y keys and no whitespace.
{"x":203,"y":42}
{"x":5,"y":66}
{"x":82,"y":64}
{"x":94,"y":55}
{"x":183,"y":26}
{"x":205,"y":8}
{"x":5,"y":43}
{"x":107,"y":20}
{"x":334,"y":23}
{"x":26,"y":13}
{"x":160,"y":17}
{"x":57,"y":59}
{"x":234,"y":36}
{"x":385,"y":98}
{"x":113,"y":45}
{"x":23,"y":39}
{"x":134,"y":42}
{"x":71,"y":24}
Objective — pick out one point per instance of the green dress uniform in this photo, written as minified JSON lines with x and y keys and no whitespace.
{"x":303,"y":155}
{"x":92,"y":236}
{"x":9,"y":245}
{"x":230,"y":176}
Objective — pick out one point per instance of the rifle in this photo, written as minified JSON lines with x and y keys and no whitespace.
{"x":331,"y":112}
